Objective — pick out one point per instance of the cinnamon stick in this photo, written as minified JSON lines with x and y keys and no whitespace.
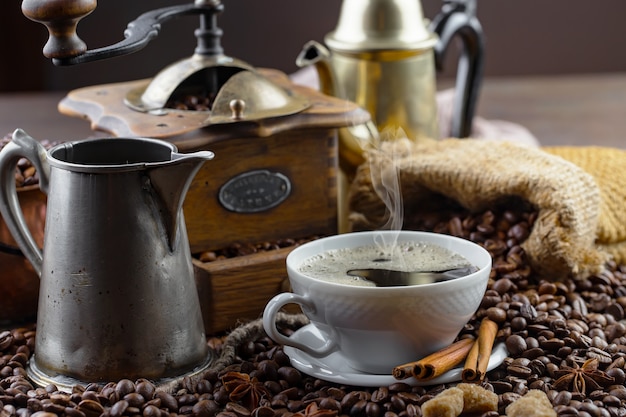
{"x":477,"y":359}
{"x":435,"y":364}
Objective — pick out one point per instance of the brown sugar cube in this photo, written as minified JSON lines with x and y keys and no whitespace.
{"x":448,"y":403}
{"x":477,"y":399}
{"x":534,"y":403}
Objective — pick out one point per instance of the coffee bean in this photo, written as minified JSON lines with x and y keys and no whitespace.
{"x":358,"y":408}
{"x":397,"y":403}
{"x":291,"y":375}
{"x":519,"y":371}
{"x":119,"y":408}
{"x":413,"y":411}
{"x":330,"y":404}
{"x":350,"y":399}
{"x":73,"y":412}
{"x":380,"y":395}
{"x":373,"y":410}
{"x":168,"y":400}
{"x":516,"y":344}
{"x":90,"y":408}
{"x":496,"y":314}
{"x":153,"y":411}
{"x":238,"y":409}
{"x":6,"y":339}
{"x":146,"y":389}
{"x":134,"y":400}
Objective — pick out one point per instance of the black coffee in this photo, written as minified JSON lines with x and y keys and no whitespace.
{"x":401,"y":264}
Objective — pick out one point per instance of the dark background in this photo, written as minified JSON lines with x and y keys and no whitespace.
{"x":524,"y":37}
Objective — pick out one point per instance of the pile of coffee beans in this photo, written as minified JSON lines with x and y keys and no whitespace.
{"x":566,"y":338}
{"x":26,"y":173}
{"x":192,"y":102}
{"x":237,"y":249}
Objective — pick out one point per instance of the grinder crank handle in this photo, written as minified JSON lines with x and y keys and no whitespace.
{"x":458,"y":17}
{"x":65,"y":47}
{"x":22,"y":146}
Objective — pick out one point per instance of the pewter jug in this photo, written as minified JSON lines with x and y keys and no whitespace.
{"x":117,"y":296}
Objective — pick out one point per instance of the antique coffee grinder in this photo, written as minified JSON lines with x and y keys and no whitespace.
{"x":274,"y":176}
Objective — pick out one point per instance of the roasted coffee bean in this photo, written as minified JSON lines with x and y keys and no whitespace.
{"x":6,"y":339}
{"x":330,"y":404}
{"x":516,"y":344}
{"x":350,"y":399}
{"x":73,"y":412}
{"x":373,"y":410}
{"x":380,"y":395}
{"x":90,"y":408}
{"x":413,"y":411}
{"x":146,"y":388}
{"x":397,"y":403}
{"x":119,"y":408}
{"x":237,"y":409}
{"x":168,"y":400}
{"x":153,"y":411}
{"x":134,"y":400}
{"x":496,"y":314}
{"x":519,"y":371}
{"x":291,"y":375}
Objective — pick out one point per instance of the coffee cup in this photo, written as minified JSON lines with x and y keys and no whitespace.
{"x":376,"y":328}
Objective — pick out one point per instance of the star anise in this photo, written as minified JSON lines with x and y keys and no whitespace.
{"x":313,"y":410}
{"x":244,"y":390}
{"x":582,"y":379}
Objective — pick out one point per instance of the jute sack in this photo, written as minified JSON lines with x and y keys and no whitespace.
{"x":479,"y":174}
{"x":608,"y":168}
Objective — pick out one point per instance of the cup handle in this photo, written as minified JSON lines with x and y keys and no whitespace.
{"x":269,"y":324}
{"x":21,"y":146}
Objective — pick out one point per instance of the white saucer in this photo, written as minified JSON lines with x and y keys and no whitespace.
{"x":334,"y":368}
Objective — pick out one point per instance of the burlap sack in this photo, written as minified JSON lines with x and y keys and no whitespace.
{"x":478,"y":174}
{"x":607,"y":166}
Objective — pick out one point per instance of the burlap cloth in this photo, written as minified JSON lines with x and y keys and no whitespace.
{"x":578,"y":192}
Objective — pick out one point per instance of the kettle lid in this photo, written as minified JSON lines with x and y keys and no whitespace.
{"x":380,"y":25}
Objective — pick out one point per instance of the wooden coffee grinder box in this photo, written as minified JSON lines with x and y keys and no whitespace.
{"x":274,"y":176}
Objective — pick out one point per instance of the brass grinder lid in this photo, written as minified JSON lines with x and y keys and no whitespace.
{"x":238,"y":91}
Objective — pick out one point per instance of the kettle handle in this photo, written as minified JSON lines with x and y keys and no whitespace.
{"x":21,"y":146}
{"x":459,"y":17}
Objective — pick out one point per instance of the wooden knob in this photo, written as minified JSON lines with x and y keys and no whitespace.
{"x":61,"y":18}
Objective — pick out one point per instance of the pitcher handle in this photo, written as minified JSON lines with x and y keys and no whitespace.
{"x":459,"y":17}
{"x":21,"y":146}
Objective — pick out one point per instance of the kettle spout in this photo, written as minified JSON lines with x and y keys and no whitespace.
{"x":315,"y":54}
{"x":171,"y":183}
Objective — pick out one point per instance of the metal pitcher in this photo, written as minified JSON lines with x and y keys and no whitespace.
{"x":117,"y":296}
{"x":383,"y":55}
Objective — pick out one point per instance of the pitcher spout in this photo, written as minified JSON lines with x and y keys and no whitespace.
{"x":317,"y":55}
{"x":171,"y":183}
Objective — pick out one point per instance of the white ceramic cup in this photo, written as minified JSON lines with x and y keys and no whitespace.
{"x":378,"y":328}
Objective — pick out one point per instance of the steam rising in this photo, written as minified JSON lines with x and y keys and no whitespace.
{"x":385,"y":179}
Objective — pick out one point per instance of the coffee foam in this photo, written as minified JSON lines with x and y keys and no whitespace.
{"x":411,"y":256}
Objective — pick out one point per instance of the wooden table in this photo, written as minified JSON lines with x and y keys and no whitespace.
{"x":567,"y":110}
{"x":563,"y":110}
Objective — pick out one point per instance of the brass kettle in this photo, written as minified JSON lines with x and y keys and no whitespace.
{"x":383,"y":55}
